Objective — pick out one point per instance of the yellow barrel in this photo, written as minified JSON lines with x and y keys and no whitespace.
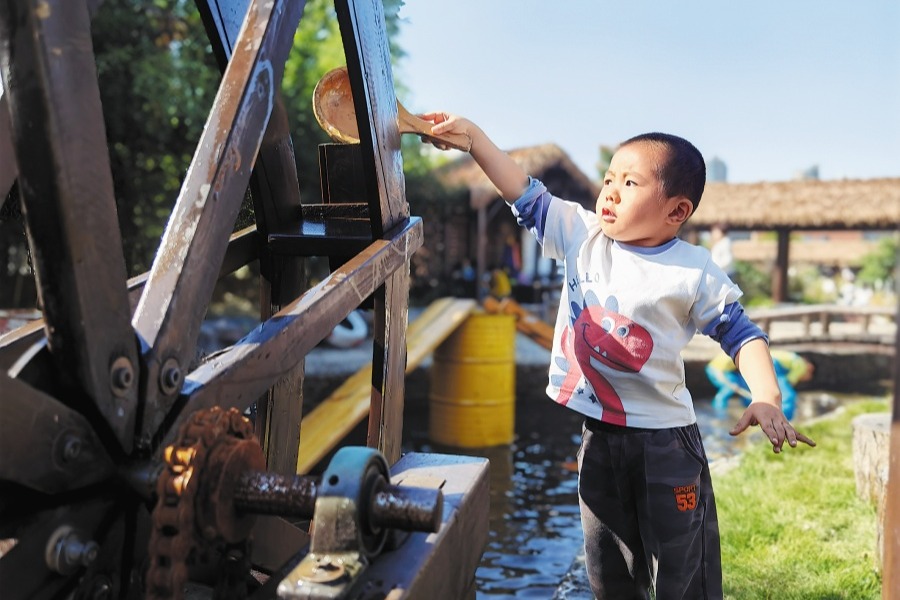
{"x":472,"y":389}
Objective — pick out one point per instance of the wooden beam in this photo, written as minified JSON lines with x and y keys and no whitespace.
{"x":782,"y":261}
{"x":239,"y":375}
{"x":891,"y":551}
{"x":368,"y":56}
{"x":181,"y":283}
{"x":332,"y":419}
{"x":55,"y":120}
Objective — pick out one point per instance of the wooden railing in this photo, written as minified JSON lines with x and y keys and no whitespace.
{"x":828,"y":323}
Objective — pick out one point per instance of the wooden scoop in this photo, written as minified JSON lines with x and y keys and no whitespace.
{"x":336,"y":114}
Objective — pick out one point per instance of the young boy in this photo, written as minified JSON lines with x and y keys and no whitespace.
{"x":634,"y":295}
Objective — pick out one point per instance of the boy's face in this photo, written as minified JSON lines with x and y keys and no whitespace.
{"x":632,"y":206}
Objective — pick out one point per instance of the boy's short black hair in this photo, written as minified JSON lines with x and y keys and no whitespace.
{"x":684,"y":171}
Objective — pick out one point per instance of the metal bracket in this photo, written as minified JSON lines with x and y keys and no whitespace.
{"x":343,"y":537}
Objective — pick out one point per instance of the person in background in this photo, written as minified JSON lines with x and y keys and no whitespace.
{"x":720,"y":249}
{"x":790,"y":369}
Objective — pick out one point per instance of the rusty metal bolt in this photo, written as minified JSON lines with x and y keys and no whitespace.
{"x":170,"y":377}
{"x":121,"y":376}
{"x":67,"y":551}
{"x":71,"y":448}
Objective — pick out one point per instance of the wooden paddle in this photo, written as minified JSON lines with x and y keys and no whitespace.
{"x":336,"y":114}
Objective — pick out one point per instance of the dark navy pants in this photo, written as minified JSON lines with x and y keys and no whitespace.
{"x":648,"y":513}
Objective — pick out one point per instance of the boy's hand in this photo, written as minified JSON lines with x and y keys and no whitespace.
{"x":772,"y":421}
{"x":448,"y":123}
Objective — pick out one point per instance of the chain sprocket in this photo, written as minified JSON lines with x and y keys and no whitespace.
{"x":194,"y":517}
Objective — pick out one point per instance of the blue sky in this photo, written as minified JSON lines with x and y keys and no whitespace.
{"x":770,"y":87}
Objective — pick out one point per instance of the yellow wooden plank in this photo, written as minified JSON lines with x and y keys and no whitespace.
{"x":327,"y":424}
{"x":526,"y":322}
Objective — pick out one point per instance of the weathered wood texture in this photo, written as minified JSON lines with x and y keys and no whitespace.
{"x":891,"y":554}
{"x":871,"y":460}
{"x":369,"y":67}
{"x":333,"y":419}
{"x":180,"y":284}
{"x":238,"y":377}
{"x":58,"y":133}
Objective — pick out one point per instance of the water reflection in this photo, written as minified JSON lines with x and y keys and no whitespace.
{"x":535,"y":526}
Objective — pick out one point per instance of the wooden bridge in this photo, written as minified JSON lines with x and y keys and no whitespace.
{"x":828,"y":324}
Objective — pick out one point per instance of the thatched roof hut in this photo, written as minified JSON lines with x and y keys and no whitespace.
{"x":782,"y":207}
{"x":816,"y":205}
{"x":494,"y":222}
{"x":547,"y":162}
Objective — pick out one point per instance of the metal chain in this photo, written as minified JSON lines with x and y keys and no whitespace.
{"x":174,"y":535}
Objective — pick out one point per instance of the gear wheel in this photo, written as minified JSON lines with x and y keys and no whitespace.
{"x":194,"y":519}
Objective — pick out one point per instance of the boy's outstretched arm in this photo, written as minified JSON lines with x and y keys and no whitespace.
{"x":755,"y":364}
{"x":506,"y":175}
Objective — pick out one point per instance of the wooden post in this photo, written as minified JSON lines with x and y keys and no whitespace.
{"x":780,"y":276}
{"x":8,"y":169}
{"x":891,"y":552}
{"x":369,"y":66}
{"x":481,"y":251}
{"x":282,"y":278}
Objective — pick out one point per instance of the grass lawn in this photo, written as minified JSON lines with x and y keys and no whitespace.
{"x":792,"y":526}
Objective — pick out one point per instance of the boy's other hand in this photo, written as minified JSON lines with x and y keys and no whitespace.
{"x":772,"y":421}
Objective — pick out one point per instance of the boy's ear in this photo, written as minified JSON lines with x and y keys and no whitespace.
{"x":681,"y":210}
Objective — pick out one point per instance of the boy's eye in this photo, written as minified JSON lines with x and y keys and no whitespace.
{"x":607,"y":181}
{"x":630,"y":182}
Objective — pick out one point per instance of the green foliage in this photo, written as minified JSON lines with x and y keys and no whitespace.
{"x":807,"y":286}
{"x":317,"y":49}
{"x":755,"y":283}
{"x":880,"y":264}
{"x":606,"y":154}
{"x":157,"y":81}
{"x":795,"y":518}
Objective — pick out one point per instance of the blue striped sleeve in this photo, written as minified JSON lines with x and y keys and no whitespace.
{"x":733,"y":329}
{"x":530,"y":209}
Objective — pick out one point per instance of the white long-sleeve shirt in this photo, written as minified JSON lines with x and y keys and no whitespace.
{"x":625,"y":314}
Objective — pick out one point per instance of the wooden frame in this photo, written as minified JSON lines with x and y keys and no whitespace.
{"x":101,"y":385}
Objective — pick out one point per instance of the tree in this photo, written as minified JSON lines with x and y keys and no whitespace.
{"x":880,"y":264}
{"x":158,"y":78}
{"x":157,"y":81}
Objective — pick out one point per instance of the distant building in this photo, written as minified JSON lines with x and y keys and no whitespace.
{"x":808,"y":174}
{"x":716,"y":169}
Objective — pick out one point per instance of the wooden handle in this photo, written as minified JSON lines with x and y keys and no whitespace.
{"x":334,"y":110}
{"x":410,"y":123}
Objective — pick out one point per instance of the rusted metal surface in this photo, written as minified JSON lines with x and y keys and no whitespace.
{"x":64,"y":181}
{"x":392,"y":507}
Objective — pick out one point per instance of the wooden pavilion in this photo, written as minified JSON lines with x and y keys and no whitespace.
{"x":788,"y":206}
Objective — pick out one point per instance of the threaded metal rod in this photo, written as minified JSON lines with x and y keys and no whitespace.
{"x":391,"y":506}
